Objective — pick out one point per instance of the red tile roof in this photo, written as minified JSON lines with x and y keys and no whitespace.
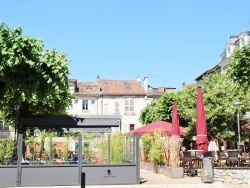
{"x":111,"y":87}
{"x":121,"y":87}
{"x":88,"y":88}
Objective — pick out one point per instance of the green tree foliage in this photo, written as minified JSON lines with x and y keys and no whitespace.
{"x":36,"y":78}
{"x":164,"y":107}
{"x":156,"y":153}
{"x":117,"y":148}
{"x":147,"y":144}
{"x":148,"y":114}
{"x":159,"y":109}
{"x":6,"y":150}
{"x":239,"y":68}
{"x":219,"y":93}
{"x":187,"y":107}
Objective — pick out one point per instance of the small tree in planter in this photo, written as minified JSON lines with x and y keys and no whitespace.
{"x":103,"y":148}
{"x":6,"y":150}
{"x":147,"y":141}
{"x":117,"y":148}
{"x":157,"y":153}
{"x":32,"y":142}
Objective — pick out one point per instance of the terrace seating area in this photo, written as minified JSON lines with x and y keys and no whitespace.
{"x":189,"y":162}
{"x":233,"y":158}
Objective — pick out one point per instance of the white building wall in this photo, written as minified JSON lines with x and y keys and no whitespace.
{"x":77,"y":106}
{"x":105,"y":105}
{"x":230,"y":48}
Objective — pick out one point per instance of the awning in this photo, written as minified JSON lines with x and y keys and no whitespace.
{"x":65,"y":121}
{"x":90,"y":130}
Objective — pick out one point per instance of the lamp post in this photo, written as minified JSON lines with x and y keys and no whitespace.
{"x":237,"y":104}
{"x":16,"y":106}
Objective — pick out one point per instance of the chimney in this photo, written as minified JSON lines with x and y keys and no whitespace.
{"x":233,"y":38}
{"x":138,"y":79}
{"x":98,"y":78}
{"x":145,"y":84}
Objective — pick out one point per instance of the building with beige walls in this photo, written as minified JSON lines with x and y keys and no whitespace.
{"x":123,"y":99}
{"x":236,"y":41}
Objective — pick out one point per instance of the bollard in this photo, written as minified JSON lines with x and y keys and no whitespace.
{"x":83,"y":180}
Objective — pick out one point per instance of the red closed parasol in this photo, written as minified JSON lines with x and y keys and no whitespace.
{"x":175,"y":120}
{"x":201,"y":124}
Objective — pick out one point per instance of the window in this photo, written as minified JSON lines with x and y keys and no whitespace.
{"x":106,"y":108}
{"x":242,"y":42}
{"x":117,"y":108}
{"x":84,"y":104}
{"x":225,"y":67}
{"x":131,"y":127}
{"x":129,"y":105}
{"x":92,"y":101}
{"x":76,"y":101}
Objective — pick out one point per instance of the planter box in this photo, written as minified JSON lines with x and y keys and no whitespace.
{"x":159,"y":169}
{"x":148,"y":166}
{"x":142,"y":164}
{"x":174,"y":172}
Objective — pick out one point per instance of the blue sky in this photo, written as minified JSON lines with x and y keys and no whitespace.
{"x":170,"y":42}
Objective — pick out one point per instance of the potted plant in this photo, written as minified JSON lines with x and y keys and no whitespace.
{"x":157,"y":153}
{"x":147,"y":141}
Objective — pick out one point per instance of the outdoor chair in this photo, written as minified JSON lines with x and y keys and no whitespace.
{"x":233,"y":158}
{"x":220,"y":158}
{"x":188,"y":162}
{"x":245,"y":160}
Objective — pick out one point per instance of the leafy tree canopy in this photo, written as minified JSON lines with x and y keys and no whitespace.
{"x":219,"y":93}
{"x":159,"y":109}
{"x":148,"y":114}
{"x":36,"y":78}
{"x":164,"y":107}
{"x":239,"y":68}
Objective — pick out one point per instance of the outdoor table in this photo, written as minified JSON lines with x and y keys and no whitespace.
{"x":195,"y":155}
{"x":234,"y":150}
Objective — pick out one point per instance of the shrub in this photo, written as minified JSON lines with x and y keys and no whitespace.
{"x":6,"y":150}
